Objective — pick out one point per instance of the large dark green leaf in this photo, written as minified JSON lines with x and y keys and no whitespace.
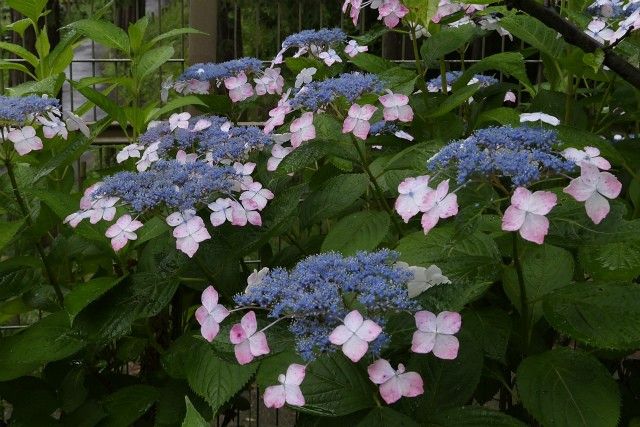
{"x":492,"y":327}
{"x":84,"y":294}
{"x":446,"y":41}
{"x":29,"y":8}
{"x":193,"y":417}
{"x":602,"y":315}
{"x":48,"y":340}
{"x":8,"y":229}
{"x":103,"y":32}
{"x":569,"y":388}
{"x":460,"y":256}
{"x":335,"y":195}
{"x":509,"y":63}
{"x":335,"y":386}
{"x":472,"y":416}
{"x":128,"y":404}
{"x":545,"y":268}
{"x":361,"y":231}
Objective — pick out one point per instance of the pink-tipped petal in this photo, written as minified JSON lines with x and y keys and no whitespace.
{"x":369,"y":330}
{"x":353,"y":320}
{"x":258,"y":344}
{"x":209,"y":329}
{"x":423,"y":342}
{"x":274,"y":396}
{"x":293,"y":395}
{"x":249,"y":323}
{"x":219,"y":313}
{"x":237,"y":334}
{"x":209,"y":298}
{"x":426,"y":321}
{"x":295,"y":374}
{"x":608,"y":185}
{"x":446,"y":347}
{"x":534,"y":228}
{"x":355,"y":348}
{"x":513,"y":218}
{"x":411,"y":384}
{"x":380,"y":371}
{"x":541,"y":202}
{"x":340,"y":335}
{"x":448,"y":322}
{"x":391,"y":391}
{"x":243,"y":352}
{"x":597,"y":208}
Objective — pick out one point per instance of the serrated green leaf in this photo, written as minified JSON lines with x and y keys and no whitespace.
{"x":103,"y":32}
{"x":383,"y":416}
{"x":569,"y":388}
{"x":8,"y":229}
{"x":611,"y":261}
{"x":84,"y":294}
{"x":128,"y":404}
{"x":509,"y":63}
{"x":151,"y":61}
{"x":335,"y":386}
{"x":472,"y":416}
{"x":47,"y":340}
{"x":492,"y":327}
{"x":446,"y":41}
{"x":20,"y":51}
{"x":602,"y":315}
{"x":335,"y":195}
{"x":460,"y":256}
{"x":371,"y":63}
{"x":193,"y":417}
{"x":545,"y":268}
{"x":361,"y":231}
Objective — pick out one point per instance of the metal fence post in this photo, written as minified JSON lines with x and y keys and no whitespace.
{"x":203,"y":16}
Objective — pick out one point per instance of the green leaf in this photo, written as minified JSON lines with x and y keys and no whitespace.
{"x":472,"y":416}
{"x":50,"y":86}
{"x":75,"y":147}
{"x":460,"y":256}
{"x":151,"y":229}
{"x":136,"y":33}
{"x":535,"y":33}
{"x":32,"y":9}
{"x":449,"y":382}
{"x":47,"y":340}
{"x":612,"y":261}
{"x":371,"y":63}
{"x":454,"y":100}
{"x":446,"y":41}
{"x":106,"y":104}
{"x":361,"y":231}
{"x":174,"y":33}
{"x":103,"y":32}
{"x":509,"y":63}
{"x":214,"y":379}
{"x":335,"y":386}
{"x":8,"y":229}
{"x":128,"y":404}
{"x":309,"y":153}
{"x":569,"y":388}
{"x":20,"y":51}
{"x":383,"y":416}
{"x":492,"y":327}
{"x":151,"y":61}
{"x":501,"y":115}
{"x":8,"y":65}
{"x":193,"y":417}
{"x":545,"y":268}
{"x":175,"y":104}
{"x":84,"y":294}
{"x":602,"y":315}
{"x":335,"y":195}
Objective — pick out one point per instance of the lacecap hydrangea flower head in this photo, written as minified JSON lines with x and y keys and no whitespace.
{"x":511,"y":159}
{"x":22,"y":117}
{"x":332,"y":303}
{"x":183,"y":165}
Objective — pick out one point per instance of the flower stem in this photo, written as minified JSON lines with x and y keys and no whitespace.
{"x":524,"y":303}
{"x":27,"y":216}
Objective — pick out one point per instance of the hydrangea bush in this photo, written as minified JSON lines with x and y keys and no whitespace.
{"x":429,"y":242}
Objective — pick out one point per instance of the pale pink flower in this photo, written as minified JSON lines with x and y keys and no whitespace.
{"x":271,"y":82}
{"x":599,"y":31}
{"x":122,"y":231}
{"x":239,"y":89}
{"x":355,"y":335}
{"x":355,"y":9}
{"x":288,"y":391}
{"x":445,"y":8}
{"x":25,"y":140}
{"x":403,"y":135}
{"x":527,"y":214}
{"x":179,"y":121}
{"x":437,"y":205}
{"x":594,"y":188}
{"x":220,"y":211}
{"x":210,"y":314}
{"x":149,"y":156}
{"x":87,"y":198}
{"x":412,"y":194}
{"x":53,"y":126}
{"x":183,"y":158}
{"x":302,"y":129}
{"x":276,"y":117}
{"x":189,"y":235}
{"x":75,"y":218}
{"x":353,"y":48}
{"x":278,"y":152}
{"x":254,"y":197}
{"x":436,"y":333}
{"x":200,"y":125}
{"x":130,"y":151}
{"x":305,"y":76}
{"x":75,"y":122}
{"x":255,"y":279}
{"x":392,"y":11}
{"x":539,"y":117}
{"x":395,"y":384}
{"x":509,"y":97}
{"x":589,"y":155}
{"x":186,"y":87}
{"x":178,"y":218}
{"x":357,"y":121}
{"x":396,"y":107}
{"x":248,"y":341}
{"x":240,"y":215}
{"x":103,"y":208}
{"x":330,"y":57}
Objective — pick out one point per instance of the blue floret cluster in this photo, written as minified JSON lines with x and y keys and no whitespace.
{"x":453,"y":76}
{"x":521,"y":154}
{"x":319,"y":38}
{"x":19,"y":110}
{"x":212,"y":71}
{"x":320,"y":290}
{"x":348,"y":85}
